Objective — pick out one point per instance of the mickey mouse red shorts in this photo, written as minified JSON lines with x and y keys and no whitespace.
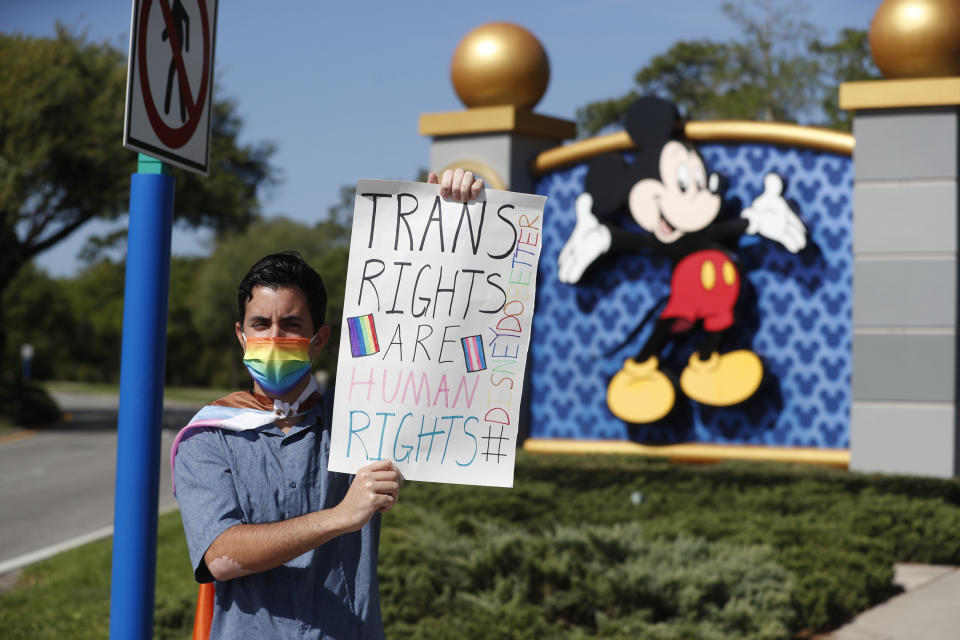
{"x":705,"y":286}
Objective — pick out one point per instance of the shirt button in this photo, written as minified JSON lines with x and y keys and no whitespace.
{"x":293,"y":485}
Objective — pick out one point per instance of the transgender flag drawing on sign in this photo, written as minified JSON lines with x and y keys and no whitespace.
{"x":363,"y":336}
{"x":473,"y":353}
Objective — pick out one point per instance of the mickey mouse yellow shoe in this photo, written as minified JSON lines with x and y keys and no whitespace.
{"x":640,"y":392}
{"x":722,"y":380}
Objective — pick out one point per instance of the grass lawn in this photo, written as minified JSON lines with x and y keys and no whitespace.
{"x":184,"y":394}
{"x":68,"y":596}
{"x":32,"y":405}
{"x":80,"y":387}
{"x":589,"y":547}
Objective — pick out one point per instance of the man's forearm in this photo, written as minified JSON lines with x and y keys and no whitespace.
{"x":249,"y":548}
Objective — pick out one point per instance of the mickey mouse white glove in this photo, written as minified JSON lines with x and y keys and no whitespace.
{"x":588,"y":240}
{"x":771,"y":217}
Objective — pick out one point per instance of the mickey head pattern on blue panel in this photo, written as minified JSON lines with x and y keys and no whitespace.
{"x":793,"y":311}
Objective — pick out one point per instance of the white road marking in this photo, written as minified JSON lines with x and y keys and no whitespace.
{"x":66,"y":545}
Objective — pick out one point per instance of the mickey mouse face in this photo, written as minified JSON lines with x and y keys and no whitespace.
{"x":683,"y":201}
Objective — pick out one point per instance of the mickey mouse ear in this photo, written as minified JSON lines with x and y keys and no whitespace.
{"x":652,"y":121}
{"x":606,"y":177}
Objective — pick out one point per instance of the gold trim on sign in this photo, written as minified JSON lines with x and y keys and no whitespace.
{"x":490,"y":177}
{"x":704,"y":131}
{"x":782,"y":133}
{"x":581,"y":150}
{"x":909,"y":92}
{"x":693,"y":452}
{"x":501,"y":119}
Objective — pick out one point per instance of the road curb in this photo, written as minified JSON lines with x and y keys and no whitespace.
{"x":42,"y":554}
{"x":16,"y":436}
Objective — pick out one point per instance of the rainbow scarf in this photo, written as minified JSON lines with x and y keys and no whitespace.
{"x":242,"y":416}
{"x":232,"y":418}
{"x":277,"y":364}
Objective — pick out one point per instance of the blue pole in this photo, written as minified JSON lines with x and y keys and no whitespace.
{"x":141,"y":401}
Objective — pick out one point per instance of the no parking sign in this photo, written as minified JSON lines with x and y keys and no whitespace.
{"x":170,"y":81}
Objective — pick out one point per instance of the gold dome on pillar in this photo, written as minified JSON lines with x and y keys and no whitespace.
{"x":500,"y":64}
{"x":916,"y":38}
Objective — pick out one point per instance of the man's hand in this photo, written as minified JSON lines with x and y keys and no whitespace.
{"x":249,"y":548}
{"x":375,"y":488}
{"x":771,"y":216}
{"x":458,"y":184}
{"x":588,"y":240}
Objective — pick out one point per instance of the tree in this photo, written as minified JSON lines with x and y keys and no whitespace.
{"x":846,"y":60}
{"x":325,"y":246}
{"x":779,"y":70}
{"x":95,"y":330}
{"x":37,"y":312}
{"x":185,"y":356}
{"x":61,"y":158}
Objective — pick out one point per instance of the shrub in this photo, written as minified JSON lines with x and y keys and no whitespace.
{"x":492,"y":581}
{"x":837,"y":534}
{"x":28,"y":405}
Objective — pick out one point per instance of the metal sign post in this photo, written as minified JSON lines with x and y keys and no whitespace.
{"x":141,"y":401}
{"x":169,"y":86}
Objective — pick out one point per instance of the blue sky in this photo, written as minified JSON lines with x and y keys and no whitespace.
{"x":338,"y":87}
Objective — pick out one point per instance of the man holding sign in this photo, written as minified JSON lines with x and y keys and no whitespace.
{"x":291,"y":544}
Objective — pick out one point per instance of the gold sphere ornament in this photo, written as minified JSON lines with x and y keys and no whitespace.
{"x":500,"y":64}
{"x":916,"y":38}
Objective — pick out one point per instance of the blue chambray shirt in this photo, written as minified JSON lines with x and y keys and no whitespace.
{"x":261,"y":475}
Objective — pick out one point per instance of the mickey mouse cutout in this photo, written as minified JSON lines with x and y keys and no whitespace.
{"x":670,"y":195}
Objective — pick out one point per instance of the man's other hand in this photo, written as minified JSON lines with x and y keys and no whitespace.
{"x":458,"y":184}
{"x":375,"y":488}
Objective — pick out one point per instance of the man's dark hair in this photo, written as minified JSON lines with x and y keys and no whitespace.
{"x":285,"y":270}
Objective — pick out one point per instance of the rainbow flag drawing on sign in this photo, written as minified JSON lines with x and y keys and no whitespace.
{"x":473,"y":353}
{"x":363,"y":336}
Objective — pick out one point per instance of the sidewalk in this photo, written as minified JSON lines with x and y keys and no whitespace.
{"x":929,"y":609}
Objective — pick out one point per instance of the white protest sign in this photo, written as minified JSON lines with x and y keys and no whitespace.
{"x":436,"y":327}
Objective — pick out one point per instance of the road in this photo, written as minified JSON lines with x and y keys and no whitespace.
{"x":57,"y":484}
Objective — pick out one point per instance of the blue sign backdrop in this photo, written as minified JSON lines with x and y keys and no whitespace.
{"x":794,"y":311}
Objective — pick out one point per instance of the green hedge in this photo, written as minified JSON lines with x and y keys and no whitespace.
{"x":494,"y":582}
{"x":836,"y":535}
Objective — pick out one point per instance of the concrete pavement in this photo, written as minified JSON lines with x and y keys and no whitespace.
{"x":57,"y":484}
{"x":56,"y":492}
{"x":928,"y":609}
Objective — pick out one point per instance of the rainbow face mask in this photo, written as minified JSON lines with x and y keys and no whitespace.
{"x":277,"y":364}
